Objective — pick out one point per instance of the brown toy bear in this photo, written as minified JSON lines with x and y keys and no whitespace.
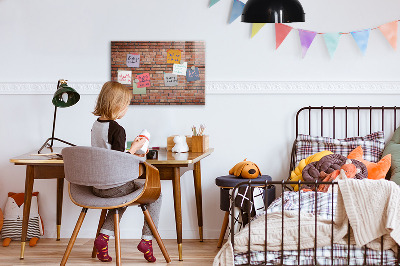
{"x":245,"y":169}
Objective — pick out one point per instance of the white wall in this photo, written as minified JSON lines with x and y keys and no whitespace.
{"x":42,"y":41}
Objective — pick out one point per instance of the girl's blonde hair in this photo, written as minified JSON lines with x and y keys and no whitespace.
{"x":112,"y":99}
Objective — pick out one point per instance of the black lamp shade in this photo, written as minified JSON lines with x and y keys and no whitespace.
{"x":273,"y":11}
{"x":65,"y":96}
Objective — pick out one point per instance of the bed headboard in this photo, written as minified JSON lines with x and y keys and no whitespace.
{"x":344,"y":121}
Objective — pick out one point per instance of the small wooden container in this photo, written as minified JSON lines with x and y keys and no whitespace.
{"x":171,"y":143}
{"x":200,"y":143}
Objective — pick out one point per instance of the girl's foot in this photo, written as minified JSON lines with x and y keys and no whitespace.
{"x":146,"y":247}
{"x":101,"y":245}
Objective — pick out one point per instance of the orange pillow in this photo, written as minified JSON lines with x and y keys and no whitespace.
{"x":375,"y":170}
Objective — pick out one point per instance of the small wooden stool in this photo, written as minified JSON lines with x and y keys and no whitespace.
{"x":226,"y":183}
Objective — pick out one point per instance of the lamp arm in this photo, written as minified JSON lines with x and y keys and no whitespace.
{"x":54,"y":126}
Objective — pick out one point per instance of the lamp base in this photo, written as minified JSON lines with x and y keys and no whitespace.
{"x":50,"y":146}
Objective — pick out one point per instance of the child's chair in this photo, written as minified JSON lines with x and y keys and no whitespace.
{"x":85,"y":167}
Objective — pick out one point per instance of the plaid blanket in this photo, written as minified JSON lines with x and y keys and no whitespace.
{"x":323,"y":205}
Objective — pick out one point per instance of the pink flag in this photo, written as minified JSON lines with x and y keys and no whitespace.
{"x":306,"y":39}
{"x":389,"y":30}
{"x":281,"y":31}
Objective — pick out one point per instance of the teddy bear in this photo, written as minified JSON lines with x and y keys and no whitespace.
{"x":13,"y":215}
{"x":245,"y":169}
{"x":180,"y":144}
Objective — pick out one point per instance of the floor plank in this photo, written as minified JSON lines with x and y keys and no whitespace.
{"x":49,"y":252}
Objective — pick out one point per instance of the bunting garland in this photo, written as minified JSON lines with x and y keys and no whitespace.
{"x":306,"y":39}
{"x":332,"y":41}
{"x":237,"y":9}
{"x":213,"y":2}
{"x":281,"y":31}
{"x":361,"y":37}
{"x":389,"y":30}
{"x":256,"y":27}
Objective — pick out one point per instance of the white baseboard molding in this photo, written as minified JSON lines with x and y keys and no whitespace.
{"x":230,"y":87}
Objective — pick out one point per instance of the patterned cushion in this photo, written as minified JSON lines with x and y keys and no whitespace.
{"x":372,"y":144}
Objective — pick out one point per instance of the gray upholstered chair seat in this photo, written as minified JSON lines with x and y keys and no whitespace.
{"x":83,"y":196}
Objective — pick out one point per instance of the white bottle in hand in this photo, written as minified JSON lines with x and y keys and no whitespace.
{"x":144,"y":134}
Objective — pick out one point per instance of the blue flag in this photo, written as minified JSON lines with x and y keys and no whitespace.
{"x":237,"y":9}
{"x":361,"y":38}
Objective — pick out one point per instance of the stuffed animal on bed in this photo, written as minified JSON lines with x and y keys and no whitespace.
{"x":245,"y":169}
{"x":377,"y":170}
{"x":317,"y":171}
{"x":348,"y":170}
{"x":296,"y":174}
{"x":13,"y":215}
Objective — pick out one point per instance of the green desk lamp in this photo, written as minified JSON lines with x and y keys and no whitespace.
{"x":65,"y":96}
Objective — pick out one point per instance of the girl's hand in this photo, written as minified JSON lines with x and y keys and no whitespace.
{"x":137,"y":144}
{"x":143,"y":155}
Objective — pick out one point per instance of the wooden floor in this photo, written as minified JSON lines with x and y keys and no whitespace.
{"x":50,"y":252}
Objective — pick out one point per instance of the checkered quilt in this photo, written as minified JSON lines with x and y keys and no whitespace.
{"x":323,"y":205}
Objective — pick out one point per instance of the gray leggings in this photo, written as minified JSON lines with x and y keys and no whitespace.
{"x":154,"y":208}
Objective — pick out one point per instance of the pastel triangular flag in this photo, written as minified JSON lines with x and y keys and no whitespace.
{"x":306,"y":39}
{"x":332,"y":41}
{"x":281,"y":31}
{"x":213,"y":2}
{"x":237,"y":9}
{"x":361,"y":37}
{"x":256,"y":28}
{"x":389,"y":30}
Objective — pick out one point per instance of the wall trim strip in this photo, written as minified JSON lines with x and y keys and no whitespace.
{"x":231,"y":87}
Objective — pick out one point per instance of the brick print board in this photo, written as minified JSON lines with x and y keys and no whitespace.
{"x":161,"y":73}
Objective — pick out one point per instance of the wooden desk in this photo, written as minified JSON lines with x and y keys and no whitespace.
{"x":40,"y":167}
{"x":171,"y":167}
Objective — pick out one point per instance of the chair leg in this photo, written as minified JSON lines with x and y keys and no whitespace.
{"x":117,"y":239}
{"x":154,"y":230}
{"x":101,"y":222}
{"x":73,"y":237}
{"x":223,"y":229}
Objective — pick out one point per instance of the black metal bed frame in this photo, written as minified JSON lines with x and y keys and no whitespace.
{"x":283,"y":184}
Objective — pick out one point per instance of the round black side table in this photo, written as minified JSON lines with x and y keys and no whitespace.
{"x":228,"y":182}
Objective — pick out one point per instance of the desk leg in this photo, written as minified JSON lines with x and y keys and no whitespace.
{"x":60,"y":190}
{"x":27,"y":206}
{"x":176,"y":182}
{"x":199,"y":204}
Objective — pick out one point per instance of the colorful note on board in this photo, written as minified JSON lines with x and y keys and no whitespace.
{"x":136,"y":90}
{"x":173,"y":56}
{"x":170,"y":79}
{"x":133,"y":60}
{"x":144,"y":80}
{"x":192,"y":74}
{"x":180,"y":69}
{"x":124,"y":77}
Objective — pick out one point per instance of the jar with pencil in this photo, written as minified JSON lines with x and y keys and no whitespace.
{"x":199,"y":140}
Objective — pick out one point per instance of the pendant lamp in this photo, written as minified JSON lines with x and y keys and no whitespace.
{"x":64,"y":96}
{"x":272,"y":11}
